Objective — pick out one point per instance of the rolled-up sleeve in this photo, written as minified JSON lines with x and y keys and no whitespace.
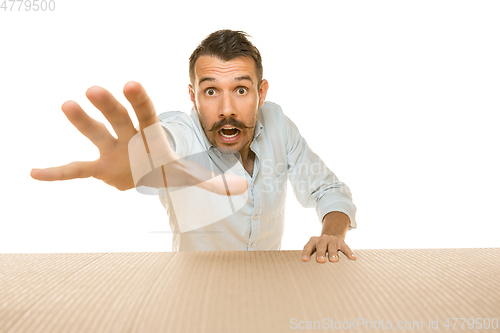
{"x":314,"y":185}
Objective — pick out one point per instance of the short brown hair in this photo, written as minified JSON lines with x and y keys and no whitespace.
{"x":227,"y":45}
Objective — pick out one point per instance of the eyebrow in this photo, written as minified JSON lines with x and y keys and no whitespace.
{"x":239,"y":78}
{"x":245,"y":77}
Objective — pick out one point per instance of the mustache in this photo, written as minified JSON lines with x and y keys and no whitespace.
{"x":231,"y":121}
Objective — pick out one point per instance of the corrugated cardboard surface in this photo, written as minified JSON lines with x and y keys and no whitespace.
{"x":261,"y":291}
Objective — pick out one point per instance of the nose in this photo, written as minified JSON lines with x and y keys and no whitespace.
{"x":227,"y":108}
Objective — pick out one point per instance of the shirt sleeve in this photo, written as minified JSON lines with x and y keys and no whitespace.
{"x":178,"y":131}
{"x":314,"y":185}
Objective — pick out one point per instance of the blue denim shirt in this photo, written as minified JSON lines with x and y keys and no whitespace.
{"x":204,"y":221}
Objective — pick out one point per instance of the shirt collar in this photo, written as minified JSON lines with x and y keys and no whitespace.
{"x":208,"y":145}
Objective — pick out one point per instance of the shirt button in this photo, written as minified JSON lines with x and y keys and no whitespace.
{"x":253,"y":244}
{"x":231,"y":158}
{"x":255,"y":217}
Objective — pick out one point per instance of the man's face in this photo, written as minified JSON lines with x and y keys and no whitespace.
{"x":227,"y":98}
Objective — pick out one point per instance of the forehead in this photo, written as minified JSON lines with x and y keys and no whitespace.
{"x":211,"y":67}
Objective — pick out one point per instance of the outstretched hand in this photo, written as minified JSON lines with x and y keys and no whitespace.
{"x":122,"y":159}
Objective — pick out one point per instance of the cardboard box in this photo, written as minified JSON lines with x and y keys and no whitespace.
{"x":260,"y":291}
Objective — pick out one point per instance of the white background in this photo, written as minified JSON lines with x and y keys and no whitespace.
{"x":400,"y":99}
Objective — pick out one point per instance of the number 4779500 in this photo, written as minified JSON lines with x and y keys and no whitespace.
{"x":471,"y":323}
{"x":28,"y":5}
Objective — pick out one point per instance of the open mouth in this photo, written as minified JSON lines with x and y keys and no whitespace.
{"x":229,"y":134}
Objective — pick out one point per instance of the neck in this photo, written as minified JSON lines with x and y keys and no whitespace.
{"x":246,"y":153}
{"x":247,"y":159}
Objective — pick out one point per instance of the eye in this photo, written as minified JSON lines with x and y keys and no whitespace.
{"x":242,"y":90}
{"x":210,"y":92}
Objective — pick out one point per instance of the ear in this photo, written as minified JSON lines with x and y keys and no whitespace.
{"x":192,"y":95}
{"x":264,"y":86}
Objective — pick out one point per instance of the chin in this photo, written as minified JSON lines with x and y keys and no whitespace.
{"x":229,"y":149}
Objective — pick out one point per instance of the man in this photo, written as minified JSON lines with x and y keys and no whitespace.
{"x":251,"y":141}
